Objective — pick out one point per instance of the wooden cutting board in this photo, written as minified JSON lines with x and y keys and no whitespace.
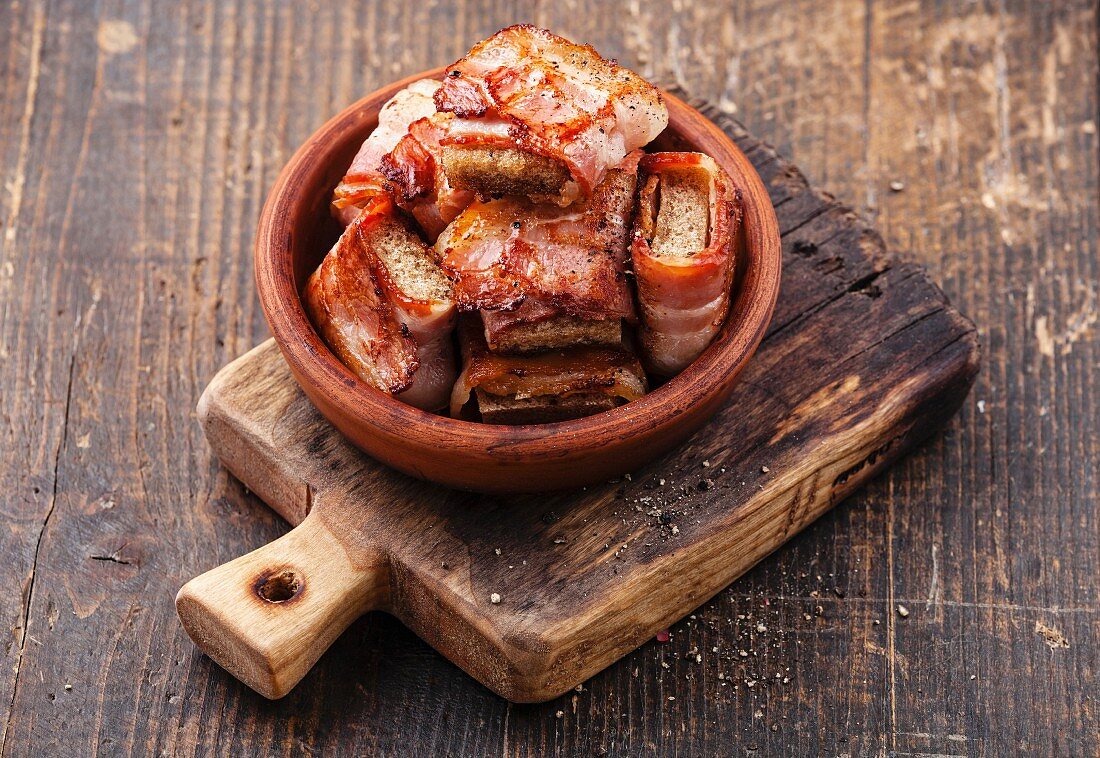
{"x":532,"y":595}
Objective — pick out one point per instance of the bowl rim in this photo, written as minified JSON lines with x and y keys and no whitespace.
{"x":366,"y":406}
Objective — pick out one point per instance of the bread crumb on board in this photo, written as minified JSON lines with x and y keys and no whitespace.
{"x":1053,"y":638}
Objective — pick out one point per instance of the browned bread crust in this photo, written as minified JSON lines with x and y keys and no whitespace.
{"x":552,"y":334}
{"x":541,"y":410}
{"x":408,"y":261}
{"x":499,"y":171}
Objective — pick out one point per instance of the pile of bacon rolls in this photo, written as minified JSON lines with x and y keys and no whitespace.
{"x":510,"y":212}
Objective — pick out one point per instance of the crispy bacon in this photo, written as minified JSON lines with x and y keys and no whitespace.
{"x":560,"y":373}
{"x":527,"y":262}
{"x":529,"y":89}
{"x":364,"y":178}
{"x":420,"y":185}
{"x":398,"y":343}
{"x":683,"y":294}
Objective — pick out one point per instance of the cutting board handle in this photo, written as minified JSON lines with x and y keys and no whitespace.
{"x":267,"y":617}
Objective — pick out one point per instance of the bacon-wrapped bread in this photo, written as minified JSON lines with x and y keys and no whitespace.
{"x":546,"y":277}
{"x":551,"y":386}
{"x":420,"y":186}
{"x":688,"y":214}
{"x":385,"y":308}
{"x":403,"y":156}
{"x":539,"y":115}
{"x":364,"y":179}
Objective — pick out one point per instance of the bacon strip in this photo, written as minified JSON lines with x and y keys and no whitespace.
{"x":396,"y":342}
{"x":420,"y":185}
{"x":561,"y":373}
{"x":526,"y":262}
{"x":683,"y":293}
{"x":364,"y":178}
{"x":529,"y":89}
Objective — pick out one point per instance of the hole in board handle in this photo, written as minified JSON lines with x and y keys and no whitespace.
{"x":278,"y":586}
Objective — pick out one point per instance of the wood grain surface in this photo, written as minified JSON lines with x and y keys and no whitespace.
{"x":137,"y":141}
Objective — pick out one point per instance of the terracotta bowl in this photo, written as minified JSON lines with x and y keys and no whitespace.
{"x":296,"y":231}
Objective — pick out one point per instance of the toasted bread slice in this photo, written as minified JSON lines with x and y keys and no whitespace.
{"x":553,"y":333}
{"x":541,"y":410}
{"x":408,"y":261}
{"x":681,"y":225}
{"x":500,"y":171}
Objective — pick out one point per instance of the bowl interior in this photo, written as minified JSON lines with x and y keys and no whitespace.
{"x":297,"y":231}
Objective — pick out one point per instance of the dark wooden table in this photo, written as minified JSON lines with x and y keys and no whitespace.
{"x":137,"y":141}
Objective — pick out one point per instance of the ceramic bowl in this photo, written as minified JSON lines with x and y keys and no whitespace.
{"x":296,"y":230}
